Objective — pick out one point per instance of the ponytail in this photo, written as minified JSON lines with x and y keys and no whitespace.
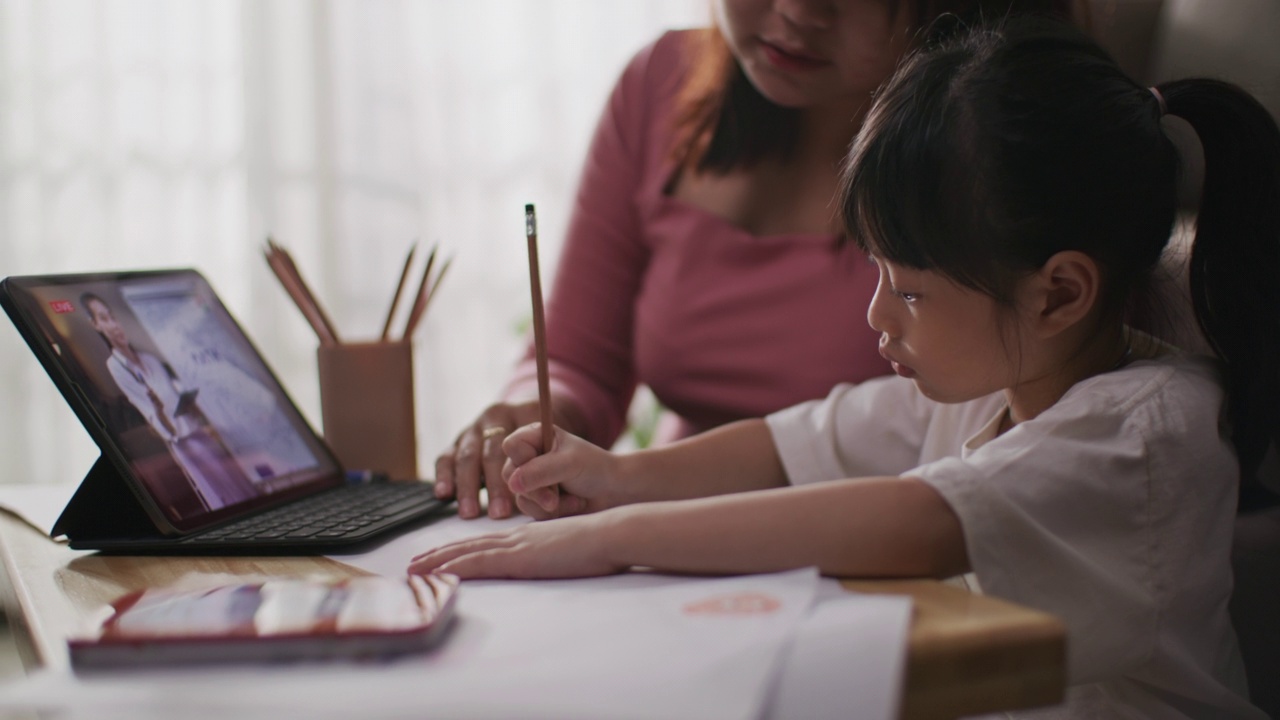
{"x":1235,"y":260}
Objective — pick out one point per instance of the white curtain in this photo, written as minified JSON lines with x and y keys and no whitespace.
{"x":166,"y":133}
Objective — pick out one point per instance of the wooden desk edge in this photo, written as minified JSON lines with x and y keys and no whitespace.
{"x":1013,"y":657}
{"x":16,"y":597}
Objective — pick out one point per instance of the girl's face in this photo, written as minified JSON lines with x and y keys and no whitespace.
{"x":105,"y":323}
{"x":944,"y":336}
{"x":810,"y":53}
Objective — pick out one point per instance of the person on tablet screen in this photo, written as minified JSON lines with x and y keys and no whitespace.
{"x":154,"y":389}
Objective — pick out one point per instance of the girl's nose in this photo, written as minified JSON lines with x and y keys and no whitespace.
{"x":879,"y":316}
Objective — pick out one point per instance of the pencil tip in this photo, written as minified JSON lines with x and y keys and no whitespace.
{"x":528,"y":207}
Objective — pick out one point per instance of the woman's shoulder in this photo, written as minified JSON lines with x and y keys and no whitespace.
{"x":676,"y":44}
{"x":660,"y":67}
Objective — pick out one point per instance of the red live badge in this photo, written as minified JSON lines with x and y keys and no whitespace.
{"x":62,"y":307}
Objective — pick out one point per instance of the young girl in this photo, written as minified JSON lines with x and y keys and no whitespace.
{"x":1016,"y":192}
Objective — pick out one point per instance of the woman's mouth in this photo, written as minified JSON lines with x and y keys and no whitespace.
{"x":793,"y":60}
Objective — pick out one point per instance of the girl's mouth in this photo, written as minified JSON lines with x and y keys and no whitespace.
{"x":898,"y":367}
{"x":902,"y":370}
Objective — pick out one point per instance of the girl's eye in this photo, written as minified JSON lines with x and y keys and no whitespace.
{"x":907,"y":296}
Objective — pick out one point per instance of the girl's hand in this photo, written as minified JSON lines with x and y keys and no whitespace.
{"x":574,"y":477}
{"x":476,"y":459}
{"x":566,"y":548}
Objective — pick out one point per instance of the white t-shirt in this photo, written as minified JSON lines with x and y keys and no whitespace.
{"x":1112,"y":510}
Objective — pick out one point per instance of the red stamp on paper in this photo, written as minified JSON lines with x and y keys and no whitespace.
{"x":61,"y":307}
{"x":747,"y":603}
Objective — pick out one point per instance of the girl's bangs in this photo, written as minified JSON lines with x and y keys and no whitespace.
{"x":914,"y":182}
{"x":894,"y":203}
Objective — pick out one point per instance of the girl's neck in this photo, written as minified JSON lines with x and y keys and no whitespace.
{"x":1111,"y":350}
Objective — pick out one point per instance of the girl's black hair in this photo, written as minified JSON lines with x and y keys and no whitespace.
{"x":991,"y":151}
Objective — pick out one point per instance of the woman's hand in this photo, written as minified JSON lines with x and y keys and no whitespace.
{"x":574,"y":477}
{"x":566,"y":548}
{"x":476,"y":460}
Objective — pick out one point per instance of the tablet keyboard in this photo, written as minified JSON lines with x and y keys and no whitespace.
{"x":344,"y":513}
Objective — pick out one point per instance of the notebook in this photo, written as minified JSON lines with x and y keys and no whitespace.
{"x":202,"y":449}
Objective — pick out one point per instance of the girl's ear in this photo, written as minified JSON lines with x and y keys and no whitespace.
{"x":1062,"y":292}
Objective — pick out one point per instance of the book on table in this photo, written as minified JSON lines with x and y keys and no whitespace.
{"x":277,"y":620}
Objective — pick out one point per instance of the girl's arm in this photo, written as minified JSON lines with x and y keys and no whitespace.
{"x":734,"y":458}
{"x":884,"y":526}
{"x":869,"y":527}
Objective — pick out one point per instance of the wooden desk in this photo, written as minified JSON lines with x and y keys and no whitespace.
{"x":968,"y":654}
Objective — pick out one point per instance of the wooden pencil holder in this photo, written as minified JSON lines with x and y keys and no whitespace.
{"x":366,"y":405}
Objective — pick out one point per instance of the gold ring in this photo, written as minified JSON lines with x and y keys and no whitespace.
{"x":493,"y":431}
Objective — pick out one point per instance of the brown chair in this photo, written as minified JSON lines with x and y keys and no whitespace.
{"x":1255,"y":604}
{"x":1238,"y":41}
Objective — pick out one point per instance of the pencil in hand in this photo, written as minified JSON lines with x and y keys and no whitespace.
{"x":539,"y":329}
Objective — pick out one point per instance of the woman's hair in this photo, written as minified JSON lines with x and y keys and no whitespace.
{"x":88,"y":297}
{"x":987,"y":154}
{"x":722,"y":121}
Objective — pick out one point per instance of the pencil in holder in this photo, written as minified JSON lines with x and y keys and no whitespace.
{"x":366,"y":405}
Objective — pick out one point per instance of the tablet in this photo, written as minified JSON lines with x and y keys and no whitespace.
{"x":182,"y":405}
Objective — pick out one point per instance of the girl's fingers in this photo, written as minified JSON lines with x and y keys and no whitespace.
{"x":530,"y":508}
{"x":496,"y":563}
{"x":522,"y":445}
{"x":435,"y":558}
{"x":571,"y":505}
{"x":561,"y":548}
{"x":485,"y":557}
{"x":539,"y":473}
{"x":546,"y":498}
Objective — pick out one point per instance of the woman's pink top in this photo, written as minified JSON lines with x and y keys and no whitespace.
{"x":719,"y":323}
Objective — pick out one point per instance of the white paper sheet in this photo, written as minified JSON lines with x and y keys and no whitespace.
{"x":846,"y":660}
{"x":38,"y":504}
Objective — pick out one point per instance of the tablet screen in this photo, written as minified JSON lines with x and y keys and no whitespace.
{"x":176,"y":389}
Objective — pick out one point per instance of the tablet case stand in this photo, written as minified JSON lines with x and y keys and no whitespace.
{"x":104,"y":507}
